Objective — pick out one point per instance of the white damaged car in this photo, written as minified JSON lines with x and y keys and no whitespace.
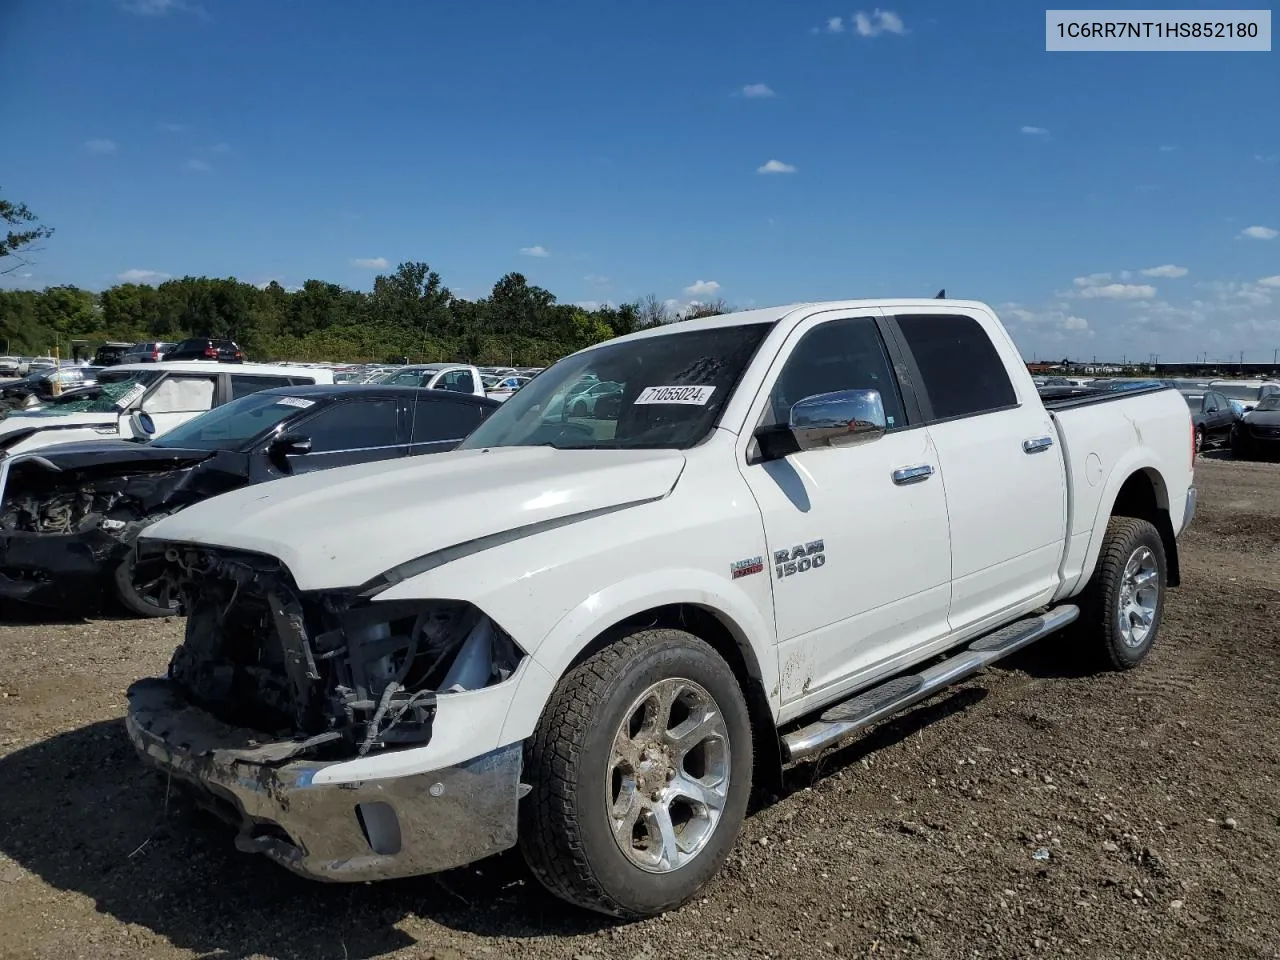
{"x":589,"y":635}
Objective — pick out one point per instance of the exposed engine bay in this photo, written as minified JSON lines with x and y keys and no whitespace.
{"x":336,"y":674}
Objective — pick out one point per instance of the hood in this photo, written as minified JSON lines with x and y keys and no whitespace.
{"x":46,"y":418}
{"x":341,"y":528}
{"x":104,"y":453}
{"x":1263,"y":418}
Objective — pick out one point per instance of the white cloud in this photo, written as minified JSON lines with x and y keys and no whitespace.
{"x":199,"y":166}
{"x":1092,"y":280}
{"x":1034,"y":131}
{"x":1167,"y":149}
{"x":1119,"y":291}
{"x":160,"y":8}
{"x":173,"y":127}
{"x":370,"y":263}
{"x":1259,"y":233}
{"x":756,"y":91}
{"x":1167,"y":270}
{"x":776,"y":166}
{"x":1267,"y":158}
{"x":878,"y":22}
{"x":593,"y":305}
{"x":100,"y":146}
{"x":220,"y":147}
{"x":835,"y":25}
{"x":142,"y":276}
{"x":700,"y":287}
{"x":596,"y":280}
{"x":535,"y":251}
{"x":1270,"y":281}
{"x":1074,"y":323}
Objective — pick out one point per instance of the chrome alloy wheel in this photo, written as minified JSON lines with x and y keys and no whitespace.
{"x":668,"y":776}
{"x":1139,"y":597}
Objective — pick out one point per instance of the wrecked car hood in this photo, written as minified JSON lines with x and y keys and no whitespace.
{"x":101,"y":453}
{"x":343,"y":527}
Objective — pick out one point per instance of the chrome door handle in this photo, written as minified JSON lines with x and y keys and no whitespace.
{"x":912,"y":474}
{"x":1037,"y":445}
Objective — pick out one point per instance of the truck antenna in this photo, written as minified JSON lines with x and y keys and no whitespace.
{"x":942,"y":294}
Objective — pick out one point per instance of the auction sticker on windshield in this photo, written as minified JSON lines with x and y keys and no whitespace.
{"x":131,"y":395}
{"x":696,"y":395}
{"x":295,"y":402}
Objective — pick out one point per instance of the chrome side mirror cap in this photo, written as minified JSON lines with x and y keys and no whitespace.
{"x":840,"y":419}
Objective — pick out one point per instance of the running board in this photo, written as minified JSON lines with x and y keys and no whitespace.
{"x":867,"y":707}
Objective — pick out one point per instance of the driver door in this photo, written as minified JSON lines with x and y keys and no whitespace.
{"x":874,"y":514}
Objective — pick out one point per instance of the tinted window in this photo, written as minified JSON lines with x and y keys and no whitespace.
{"x":436,"y":420}
{"x":353,"y":425}
{"x":243,"y":385}
{"x":181,"y":395}
{"x":1211,"y":404}
{"x":838,"y":355}
{"x":233,"y":424}
{"x":961,"y":370}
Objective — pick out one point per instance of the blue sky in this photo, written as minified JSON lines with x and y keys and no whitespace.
{"x":1107,"y":203}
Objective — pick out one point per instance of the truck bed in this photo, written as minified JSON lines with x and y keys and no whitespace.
{"x":1066,"y":398}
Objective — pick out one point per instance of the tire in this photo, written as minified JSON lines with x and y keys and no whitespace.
{"x":1199,"y":440}
{"x":136,"y":599}
{"x":1130,"y":546}
{"x":581,"y":787}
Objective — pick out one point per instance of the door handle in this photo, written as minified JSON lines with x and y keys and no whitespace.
{"x":915,"y":474}
{"x":1038,"y":445}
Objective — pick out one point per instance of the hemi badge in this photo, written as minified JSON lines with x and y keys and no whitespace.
{"x":744,"y":568}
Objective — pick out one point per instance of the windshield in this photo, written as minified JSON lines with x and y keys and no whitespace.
{"x":1269,"y":403}
{"x":234,"y":424}
{"x":118,"y":392}
{"x":665,"y":392}
{"x":1238,"y":391}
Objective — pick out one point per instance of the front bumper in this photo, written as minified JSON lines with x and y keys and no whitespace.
{"x":345,"y":832}
{"x":68,"y":571}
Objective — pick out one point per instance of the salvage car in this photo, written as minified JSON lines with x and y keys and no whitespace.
{"x":170,"y":393}
{"x":1212,"y":415}
{"x":589,"y":636}
{"x":69,"y":515}
{"x":1256,"y":435}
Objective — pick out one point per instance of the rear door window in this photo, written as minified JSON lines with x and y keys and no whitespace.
{"x":243,"y":384}
{"x":962,"y":372}
{"x":458,"y":381}
{"x":435,"y":421}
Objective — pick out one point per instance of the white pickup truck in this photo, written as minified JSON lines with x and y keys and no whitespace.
{"x":591,"y":635}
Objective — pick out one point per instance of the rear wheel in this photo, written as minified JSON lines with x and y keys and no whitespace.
{"x":1199,"y":440}
{"x":641,"y":771}
{"x":1121,"y":608}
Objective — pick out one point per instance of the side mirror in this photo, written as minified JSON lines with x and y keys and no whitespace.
{"x":840,"y":419}
{"x":290,"y":444}
{"x":142,"y":424}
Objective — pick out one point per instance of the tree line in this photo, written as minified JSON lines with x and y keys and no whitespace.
{"x":408,"y":313}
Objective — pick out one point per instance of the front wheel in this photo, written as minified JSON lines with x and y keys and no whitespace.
{"x":641,"y":771}
{"x":1121,"y":608}
{"x":1199,"y":440}
{"x":144,"y":589}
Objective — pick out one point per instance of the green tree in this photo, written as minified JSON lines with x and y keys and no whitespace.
{"x":16,"y":243}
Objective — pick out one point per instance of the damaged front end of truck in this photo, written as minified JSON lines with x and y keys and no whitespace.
{"x":69,"y":518}
{"x":274,"y":689}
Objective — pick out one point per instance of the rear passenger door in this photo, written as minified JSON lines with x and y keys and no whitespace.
{"x":441,"y":424}
{"x":1001,"y":468}
{"x":353,"y":431}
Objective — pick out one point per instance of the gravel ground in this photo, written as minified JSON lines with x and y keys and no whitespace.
{"x":1034,"y":810}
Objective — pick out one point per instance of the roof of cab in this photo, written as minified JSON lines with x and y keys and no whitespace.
{"x":774,"y":314}
{"x":207,"y":366}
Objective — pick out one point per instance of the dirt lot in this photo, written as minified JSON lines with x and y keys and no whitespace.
{"x":1033,"y":811}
